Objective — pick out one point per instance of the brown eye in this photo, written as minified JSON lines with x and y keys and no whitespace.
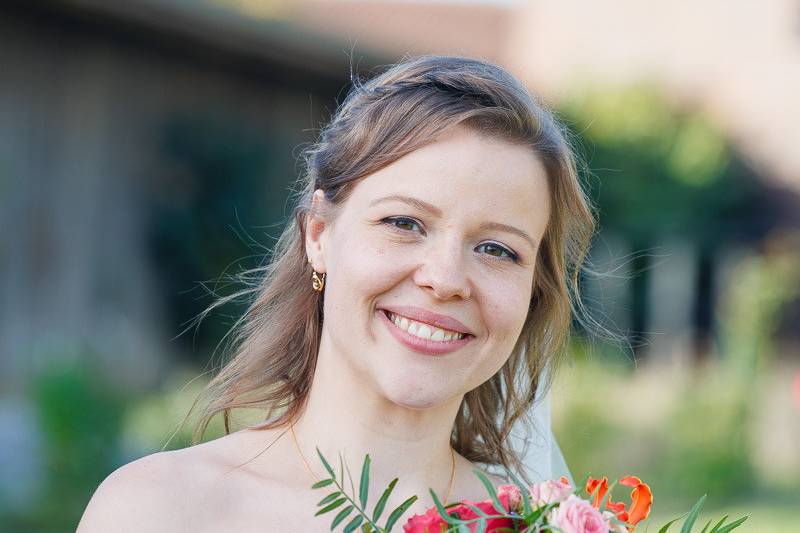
{"x":402,"y":223}
{"x":497,"y":251}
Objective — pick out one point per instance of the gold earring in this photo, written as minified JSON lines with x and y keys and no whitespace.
{"x":317,"y":282}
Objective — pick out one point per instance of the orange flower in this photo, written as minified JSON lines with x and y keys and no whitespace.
{"x":641,"y":499}
{"x":591,"y":485}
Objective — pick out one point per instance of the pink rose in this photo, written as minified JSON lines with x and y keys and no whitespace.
{"x":550,"y":491}
{"x":576,"y":515}
{"x":510,"y":497}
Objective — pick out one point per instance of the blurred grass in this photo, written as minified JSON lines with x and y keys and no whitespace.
{"x":685,"y":434}
{"x":778,"y":516}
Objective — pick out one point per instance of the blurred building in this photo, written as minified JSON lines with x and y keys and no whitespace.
{"x":112,"y":115}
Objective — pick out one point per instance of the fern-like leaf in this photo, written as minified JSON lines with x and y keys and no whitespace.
{"x":397,"y":513}
{"x":376,"y":514}
{"x":363,"y":486}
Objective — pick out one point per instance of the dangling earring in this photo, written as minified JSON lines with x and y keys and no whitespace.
{"x":316,"y":282}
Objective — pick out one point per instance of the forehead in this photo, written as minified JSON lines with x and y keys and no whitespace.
{"x":468,"y":174}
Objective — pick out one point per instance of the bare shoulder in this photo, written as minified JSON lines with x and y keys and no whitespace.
{"x":134,"y":497}
{"x":158,"y":492}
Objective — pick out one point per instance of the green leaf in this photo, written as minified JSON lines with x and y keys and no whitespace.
{"x":382,"y":501}
{"x":329,"y":498}
{"x":326,"y":465}
{"x":354,"y":523}
{"x":440,"y":508}
{"x":490,"y":489}
{"x":689,"y":523}
{"x":477,"y":510}
{"x":397,"y":513}
{"x":665,"y":527}
{"x":341,"y":516}
{"x":538,"y":516}
{"x":705,"y":527}
{"x":718,"y":524}
{"x":582,"y":485}
{"x":732,"y":525}
{"x":323,"y":483}
{"x":331,"y":506}
{"x":363,"y":486}
{"x":350,"y":476}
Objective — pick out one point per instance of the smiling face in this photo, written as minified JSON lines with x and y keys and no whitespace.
{"x":450,"y":229}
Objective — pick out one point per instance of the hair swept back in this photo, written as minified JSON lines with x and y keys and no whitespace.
{"x":274,"y":344}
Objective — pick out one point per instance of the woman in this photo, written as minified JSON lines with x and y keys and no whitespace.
{"x":409,"y":311}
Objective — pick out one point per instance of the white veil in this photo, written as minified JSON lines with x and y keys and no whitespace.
{"x":533,"y":440}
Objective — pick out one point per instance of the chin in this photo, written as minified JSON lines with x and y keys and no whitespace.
{"x":415,"y":393}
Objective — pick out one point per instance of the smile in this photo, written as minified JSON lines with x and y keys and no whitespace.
{"x":421,"y":337}
{"x":423,"y":330}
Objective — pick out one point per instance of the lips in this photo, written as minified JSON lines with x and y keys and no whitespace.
{"x":420,"y":345}
{"x":429,"y":317}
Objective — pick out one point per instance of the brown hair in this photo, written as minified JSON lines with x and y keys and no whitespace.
{"x":276,"y":341}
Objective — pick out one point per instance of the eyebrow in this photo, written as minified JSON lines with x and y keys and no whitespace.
{"x":415,"y":202}
{"x":436,"y":212}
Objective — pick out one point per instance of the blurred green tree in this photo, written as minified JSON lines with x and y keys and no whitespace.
{"x":659,"y":173}
{"x":222,"y":178}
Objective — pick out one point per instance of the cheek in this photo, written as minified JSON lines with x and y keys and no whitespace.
{"x":362,"y":268}
{"x":367,"y":263}
{"x":505,"y":306}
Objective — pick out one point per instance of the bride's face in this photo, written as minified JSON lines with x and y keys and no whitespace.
{"x":445,"y":238}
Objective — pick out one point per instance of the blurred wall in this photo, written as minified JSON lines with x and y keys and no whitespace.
{"x":114,"y":120}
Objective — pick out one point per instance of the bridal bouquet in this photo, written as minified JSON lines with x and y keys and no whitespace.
{"x":547,"y":506}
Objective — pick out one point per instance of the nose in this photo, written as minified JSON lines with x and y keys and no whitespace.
{"x":442,"y":271}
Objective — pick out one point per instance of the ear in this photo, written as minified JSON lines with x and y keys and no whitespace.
{"x":317,"y":230}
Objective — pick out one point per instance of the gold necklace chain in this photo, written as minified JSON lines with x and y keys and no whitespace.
{"x":316,"y":479}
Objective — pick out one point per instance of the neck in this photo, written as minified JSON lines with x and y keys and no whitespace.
{"x":343,"y":415}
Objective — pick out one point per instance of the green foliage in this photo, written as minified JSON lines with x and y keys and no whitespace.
{"x":691,"y":518}
{"x":694,"y":435}
{"x":339,"y":497}
{"x":80,"y":416}
{"x":224,"y":179}
{"x":708,"y":446}
{"x":751,"y":312}
{"x":154,"y":421}
{"x":659,"y":171}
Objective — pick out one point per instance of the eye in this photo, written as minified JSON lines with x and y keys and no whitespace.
{"x":497,"y":251}
{"x":402,"y":223}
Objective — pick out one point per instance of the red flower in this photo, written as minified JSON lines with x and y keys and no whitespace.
{"x":432,"y":522}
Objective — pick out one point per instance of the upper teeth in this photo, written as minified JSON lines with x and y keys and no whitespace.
{"x":423,"y":330}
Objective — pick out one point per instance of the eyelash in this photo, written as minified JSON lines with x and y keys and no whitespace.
{"x":390,"y":221}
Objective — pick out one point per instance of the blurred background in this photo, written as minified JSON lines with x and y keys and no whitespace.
{"x":146,"y":153}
